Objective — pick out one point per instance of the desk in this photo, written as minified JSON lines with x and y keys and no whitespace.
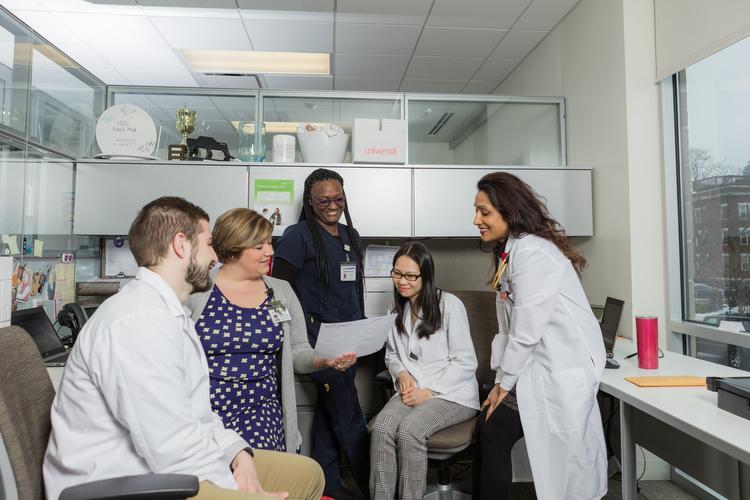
{"x":682,"y":425}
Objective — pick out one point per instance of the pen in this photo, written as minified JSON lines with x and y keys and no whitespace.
{"x":631,"y":355}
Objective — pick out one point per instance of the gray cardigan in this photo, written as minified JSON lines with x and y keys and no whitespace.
{"x":296,"y":355}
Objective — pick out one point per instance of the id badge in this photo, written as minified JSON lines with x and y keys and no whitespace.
{"x":348,"y":271}
{"x":278,"y":312}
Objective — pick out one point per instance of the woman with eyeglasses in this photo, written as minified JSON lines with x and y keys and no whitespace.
{"x":322,"y":259}
{"x":549,"y":354}
{"x":431,"y":359}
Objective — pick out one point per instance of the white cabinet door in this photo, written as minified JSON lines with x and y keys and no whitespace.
{"x":379,"y":198}
{"x":108,"y":195}
{"x":444,"y":198}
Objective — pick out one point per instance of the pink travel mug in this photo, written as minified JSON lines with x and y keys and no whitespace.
{"x":647,"y":331}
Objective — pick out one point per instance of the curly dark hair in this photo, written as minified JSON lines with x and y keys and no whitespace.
{"x":321,"y":256}
{"x":526,"y":213}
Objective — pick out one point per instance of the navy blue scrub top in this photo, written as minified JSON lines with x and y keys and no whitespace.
{"x":341,"y":303}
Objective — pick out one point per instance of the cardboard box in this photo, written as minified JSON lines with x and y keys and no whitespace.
{"x":373,"y":142}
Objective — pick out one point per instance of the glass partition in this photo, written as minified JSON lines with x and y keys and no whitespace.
{"x":283,"y":113}
{"x":453,"y":130}
{"x":218,"y":113}
{"x":15,"y":58}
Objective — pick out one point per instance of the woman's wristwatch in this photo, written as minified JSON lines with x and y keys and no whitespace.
{"x":249,"y":451}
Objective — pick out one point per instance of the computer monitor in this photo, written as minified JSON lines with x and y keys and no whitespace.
{"x":610,"y":323}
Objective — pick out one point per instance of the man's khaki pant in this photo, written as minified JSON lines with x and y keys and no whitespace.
{"x":301,"y":476}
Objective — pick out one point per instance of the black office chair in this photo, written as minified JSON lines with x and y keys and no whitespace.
{"x":26,"y":395}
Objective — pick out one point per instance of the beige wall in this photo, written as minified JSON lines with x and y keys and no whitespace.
{"x":600,"y":58}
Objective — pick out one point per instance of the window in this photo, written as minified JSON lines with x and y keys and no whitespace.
{"x":714,"y":182}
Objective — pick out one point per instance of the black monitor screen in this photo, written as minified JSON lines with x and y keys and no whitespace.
{"x":611,"y":321}
{"x":37,"y":324}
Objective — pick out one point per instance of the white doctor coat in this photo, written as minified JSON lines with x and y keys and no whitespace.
{"x":134,"y":397}
{"x":550,"y":348}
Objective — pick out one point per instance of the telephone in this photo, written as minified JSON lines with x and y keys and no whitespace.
{"x":74,"y":317}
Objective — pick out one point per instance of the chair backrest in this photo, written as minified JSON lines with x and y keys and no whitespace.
{"x":26,"y":395}
{"x":480,"y":308}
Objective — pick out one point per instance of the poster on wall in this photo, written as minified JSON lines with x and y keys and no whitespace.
{"x":274,"y":199}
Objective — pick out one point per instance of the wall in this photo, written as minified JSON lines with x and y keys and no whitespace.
{"x":600,"y":58}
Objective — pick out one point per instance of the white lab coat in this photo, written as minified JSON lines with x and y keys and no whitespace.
{"x":550,"y":348}
{"x":134,"y":398}
{"x":445,"y":362}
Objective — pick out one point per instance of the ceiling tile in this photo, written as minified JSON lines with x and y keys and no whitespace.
{"x":413,"y":12}
{"x":49,"y":27}
{"x":458,"y":42}
{"x":493,"y":14}
{"x":110,"y":76}
{"x":121,"y":7}
{"x":436,"y":86}
{"x":182,"y":33}
{"x":140,"y":58}
{"x":371,"y":66}
{"x":496,"y":69}
{"x":160,"y":78}
{"x":288,"y":5}
{"x":177,"y":4}
{"x":202,"y":13}
{"x":86,"y":57}
{"x":479,"y":87}
{"x":367,"y":84}
{"x":376,"y":39}
{"x":443,"y":68}
{"x":544,"y":14}
{"x":18,"y":5}
{"x":302,"y":15}
{"x":95,"y":29}
{"x":294,"y":82}
{"x":290,"y":36}
{"x":517,"y":44}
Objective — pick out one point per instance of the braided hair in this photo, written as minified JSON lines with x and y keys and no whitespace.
{"x":321,"y":256}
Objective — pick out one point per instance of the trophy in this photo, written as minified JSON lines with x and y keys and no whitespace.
{"x":185,"y":123}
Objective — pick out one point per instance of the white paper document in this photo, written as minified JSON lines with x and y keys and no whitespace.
{"x":365,"y":336}
{"x":731,"y":326}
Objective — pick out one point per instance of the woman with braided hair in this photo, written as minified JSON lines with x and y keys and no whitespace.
{"x":322,"y":259}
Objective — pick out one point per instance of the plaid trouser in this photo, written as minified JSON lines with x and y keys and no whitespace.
{"x":398,"y":450}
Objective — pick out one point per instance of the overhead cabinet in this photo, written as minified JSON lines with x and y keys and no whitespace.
{"x":384,"y":202}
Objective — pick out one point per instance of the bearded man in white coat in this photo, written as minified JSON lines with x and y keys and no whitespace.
{"x":134,"y":398}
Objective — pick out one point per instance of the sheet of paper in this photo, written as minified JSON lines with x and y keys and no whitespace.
{"x":119,"y":260}
{"x":364,"y":337}
{"x":731,"y":326}
{"x":38,"y":245}
{"x":379,"y":260}
{"x":12,"y":243}
{"x":65,"y":286}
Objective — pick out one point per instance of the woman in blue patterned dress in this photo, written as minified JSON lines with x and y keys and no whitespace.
{"x":253,"y":354}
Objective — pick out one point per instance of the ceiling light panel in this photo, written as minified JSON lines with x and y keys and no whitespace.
{"x":184,"y":33}
{"x":376,"y":39}
{"x":493,"y":14}
{"x":239,"y":61}
{"x":458,"y":42}
{"x":290,"y":36}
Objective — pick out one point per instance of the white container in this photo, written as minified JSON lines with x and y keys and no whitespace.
{"x":318,"y":147}
{"x":283,"y":148}
{"x":374,"y":141}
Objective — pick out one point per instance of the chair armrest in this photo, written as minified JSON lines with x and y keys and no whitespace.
{"x":384,"y":378}
{"x":142,"y":487}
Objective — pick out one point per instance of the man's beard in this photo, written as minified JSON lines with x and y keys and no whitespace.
{"x":197,"y":277}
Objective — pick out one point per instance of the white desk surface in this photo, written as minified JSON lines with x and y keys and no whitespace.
{"x":55,"y":373}
{"x":691,"y":409}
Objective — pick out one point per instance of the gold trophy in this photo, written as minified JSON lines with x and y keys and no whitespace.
{"x":185,"y":123}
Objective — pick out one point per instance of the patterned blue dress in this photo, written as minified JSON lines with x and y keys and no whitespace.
{"x":241,"y":345}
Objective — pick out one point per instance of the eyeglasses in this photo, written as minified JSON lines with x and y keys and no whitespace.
{"x":397,"y":275}
{"x":338,"y":201}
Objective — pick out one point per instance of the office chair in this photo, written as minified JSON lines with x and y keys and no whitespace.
{"x":26,"y":395}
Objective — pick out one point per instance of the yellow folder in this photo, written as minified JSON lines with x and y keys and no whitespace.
{"x":668,"y":381}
